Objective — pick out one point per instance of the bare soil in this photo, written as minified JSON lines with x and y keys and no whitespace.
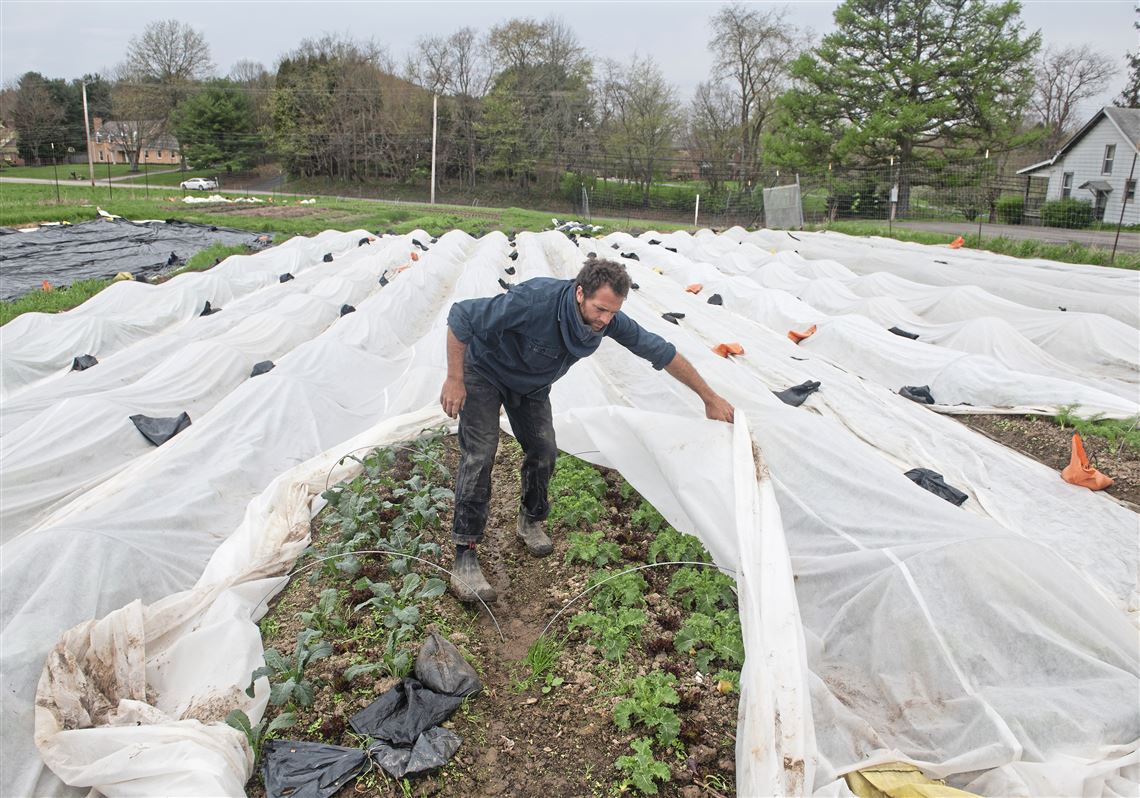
{"x":1050,"y":444}
{"x":521,"y":742}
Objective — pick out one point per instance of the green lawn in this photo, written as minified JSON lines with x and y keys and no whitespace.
{"x":65,"y":169}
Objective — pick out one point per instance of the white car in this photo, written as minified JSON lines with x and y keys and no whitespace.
{"x":199,"y":184}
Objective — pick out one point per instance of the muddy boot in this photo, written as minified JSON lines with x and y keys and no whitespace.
{"x":533,"y":535}
{"x":467,"y":581}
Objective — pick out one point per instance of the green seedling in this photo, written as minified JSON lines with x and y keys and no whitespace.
{"x":258,"y":733}
{"x":395,"y":659}
{"x":650,"y":698}
{"x":712,"y":638}
{"x":646,"y":516}
{"x":397,"y":608}
{"x":612,"y":632}
{"x":676,"y":547}
{"x":576,"y":491}
{"x":627,"y":590}
{"x":288,"y":683}
{"x":642,"y":770}
{"x":326,"y":616}
{"x":702,"y":589}
{"x":591,"y":548}
{"x":540,"y":660}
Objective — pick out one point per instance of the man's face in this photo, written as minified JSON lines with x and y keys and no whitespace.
{"x":597,"y":309}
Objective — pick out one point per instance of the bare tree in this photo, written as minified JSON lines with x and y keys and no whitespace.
{"x":35,"y":114}
{"x":458,"y":67}
{"x":713,"y":131}
{"x":170,"y":54}
{"x":140,"y":113}
{"x":1065,"y":78}
{"x":257,"y":83}
{"x":752,"y":51}
{"x":640,"y":118}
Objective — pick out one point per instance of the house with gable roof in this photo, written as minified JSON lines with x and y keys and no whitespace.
{"x":1098,"y":165}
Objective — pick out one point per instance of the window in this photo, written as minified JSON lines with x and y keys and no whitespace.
{"x":1066,"y":185}
{"x":100,"y":155}
{"x":148,"y":155}
{"x":160,"y":153}
{"x":1109,"y":157}
{"x":1129,"y":190}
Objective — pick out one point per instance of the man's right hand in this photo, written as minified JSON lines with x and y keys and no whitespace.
{"x":453,"y":395}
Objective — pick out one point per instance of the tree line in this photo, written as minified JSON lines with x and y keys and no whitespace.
{"x":918,"y":82}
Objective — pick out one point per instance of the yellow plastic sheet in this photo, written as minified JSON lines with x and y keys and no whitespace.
{"x":898,"y":780}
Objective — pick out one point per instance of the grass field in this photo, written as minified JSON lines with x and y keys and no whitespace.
{"x":65,"y":169}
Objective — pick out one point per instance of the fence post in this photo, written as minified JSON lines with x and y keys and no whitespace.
{"x":697,"y":210}
{"x":1123,"y":203}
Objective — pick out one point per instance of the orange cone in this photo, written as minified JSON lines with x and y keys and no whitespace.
{"x":796,"y":337}
{"x":724,"y":350}
{"x":1079,"y":472}
{"x":957,"y":243}
{"x":695,"y":288}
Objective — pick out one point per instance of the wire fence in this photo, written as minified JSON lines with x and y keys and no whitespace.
{"x":1092,"y":186}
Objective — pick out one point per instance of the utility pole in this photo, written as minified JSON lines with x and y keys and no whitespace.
{"x":87,"y":129}
{"x":434,"y":130}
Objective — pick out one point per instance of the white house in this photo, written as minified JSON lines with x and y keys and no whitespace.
{"x":1095,"y":164}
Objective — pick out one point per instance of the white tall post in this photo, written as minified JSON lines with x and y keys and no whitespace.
{"x":697,"y":210}
{"x":87,"y":128}
{"x":434,"y":131}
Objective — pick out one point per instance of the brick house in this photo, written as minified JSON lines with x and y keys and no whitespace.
{"x":110,"y":144}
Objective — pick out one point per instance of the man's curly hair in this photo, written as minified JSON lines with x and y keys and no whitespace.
{"x":598,"y":272}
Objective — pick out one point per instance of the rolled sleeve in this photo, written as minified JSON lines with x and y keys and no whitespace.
{"x":640,"y":341}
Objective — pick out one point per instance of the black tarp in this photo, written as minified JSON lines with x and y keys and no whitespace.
{"x":309,"y":770}
{"x":103,"y":248}
{"x":404,"y":712}
{"x":933,"y":482}
{"x":797,"y":394}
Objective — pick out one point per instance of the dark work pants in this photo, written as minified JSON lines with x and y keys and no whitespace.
{"x":533,"y":427}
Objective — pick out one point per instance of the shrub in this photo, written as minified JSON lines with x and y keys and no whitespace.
{"x":1071,"y":213}
{"x":1010,"y":209}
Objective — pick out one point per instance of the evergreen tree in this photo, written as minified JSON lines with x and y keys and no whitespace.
{"x":908,"y":79}
{"x":215,"y":127}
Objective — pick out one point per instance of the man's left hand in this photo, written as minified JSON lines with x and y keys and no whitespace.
{"x":718,"y":409}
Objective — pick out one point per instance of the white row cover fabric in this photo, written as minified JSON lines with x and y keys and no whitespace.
{"x":993,"y":644}
{"x":189,"y":369}
{"x":39,"y":345}
{"x":1033,"y":282}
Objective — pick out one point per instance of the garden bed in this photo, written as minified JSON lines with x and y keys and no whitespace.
{"x":633,"y":689}
{"x":1113,"y":447}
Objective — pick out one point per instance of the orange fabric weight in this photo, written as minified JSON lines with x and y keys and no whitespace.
{"x":1079,"y":472}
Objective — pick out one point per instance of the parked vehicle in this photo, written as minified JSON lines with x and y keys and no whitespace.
{"x":199,"y":184}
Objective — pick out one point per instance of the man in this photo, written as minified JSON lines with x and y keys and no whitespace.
{"x":507,"y":351}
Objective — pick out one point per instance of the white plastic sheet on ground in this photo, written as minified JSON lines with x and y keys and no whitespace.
{"x":994,"y":644}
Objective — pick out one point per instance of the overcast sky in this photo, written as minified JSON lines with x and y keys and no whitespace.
{"x":66,"y":38}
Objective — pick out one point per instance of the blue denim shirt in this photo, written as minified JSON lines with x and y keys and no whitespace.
{"x":524,"y":340}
